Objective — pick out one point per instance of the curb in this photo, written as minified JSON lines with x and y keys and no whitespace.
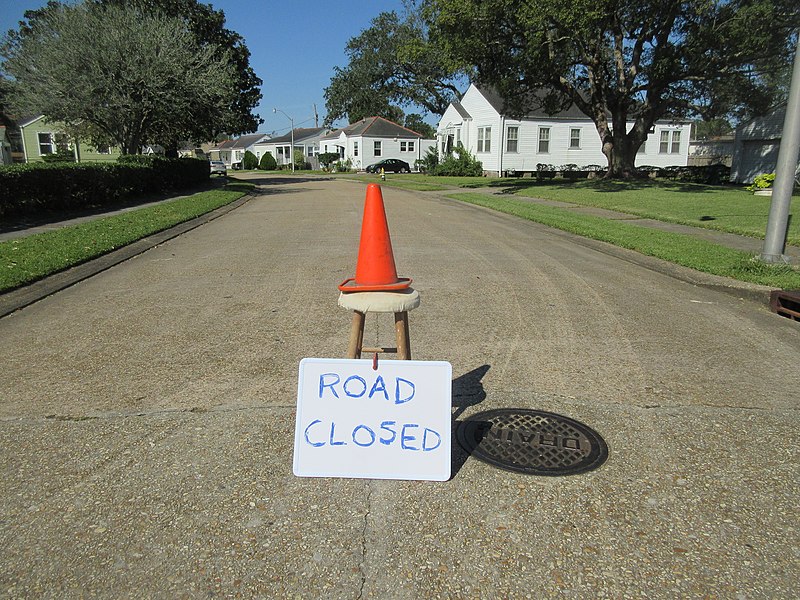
{"x":25,"y":296}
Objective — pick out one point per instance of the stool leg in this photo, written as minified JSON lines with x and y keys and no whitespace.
{"x":403,"y":338}
{"x":356,"y":335}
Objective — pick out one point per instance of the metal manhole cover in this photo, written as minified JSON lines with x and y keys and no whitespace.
{"x":532,"y":442}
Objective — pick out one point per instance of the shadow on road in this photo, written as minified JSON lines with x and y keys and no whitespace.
{"x":467,"y":391}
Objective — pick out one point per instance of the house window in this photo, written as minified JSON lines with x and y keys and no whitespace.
{"x":484,"y":139}
{"x":406,"y":146}
{"x":410,"y":146}
{"x":355,"y":148}
{"x":575,"y":139}
{"x":512,"y":135}
{"x":676,"y":142}
{"x":377,"y":148}
{"x":403,"y":147}
{"x":544,"y":140}
{"x":46,"y":144}
{"x":667,"y":145}
{"x":103,"y":149}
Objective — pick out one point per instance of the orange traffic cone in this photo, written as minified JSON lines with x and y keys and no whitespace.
{"x":375,"y":270}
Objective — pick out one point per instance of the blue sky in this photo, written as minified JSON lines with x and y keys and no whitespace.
{"x":294,"y":47}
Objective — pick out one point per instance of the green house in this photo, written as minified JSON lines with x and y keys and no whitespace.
{"x":41,"y":137}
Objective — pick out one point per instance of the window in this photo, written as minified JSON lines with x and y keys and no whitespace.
{"x":377,"y":148}
{"x":670,"y":147}
{"x":403,"y":147}
{"x":355,"y":148}
{"x":575,"y":139}
{"x":544,"y":140}
{"x":46,"y":145}
{"x":103,"y":149}
{"x":484,"y":139}
{"x":512,"y":136}
{"x":410,"y":146}
{"x":676,"y":142}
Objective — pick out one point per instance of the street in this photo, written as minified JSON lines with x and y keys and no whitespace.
{"x":147,"y":419}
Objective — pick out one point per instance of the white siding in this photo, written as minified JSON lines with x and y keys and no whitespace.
{"x":558,"y":151}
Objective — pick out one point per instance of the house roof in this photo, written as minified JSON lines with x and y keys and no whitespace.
{"x":535,"y":110}
{"x":375,"y":127}
{"x":245,"y":141}
{"x":461,"y":110}
{"x":29,"y":120}
{"x":300,"y":134}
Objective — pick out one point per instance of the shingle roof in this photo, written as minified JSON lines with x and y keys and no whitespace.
{"x":301,"y":133}
{"x":246,"y":141}
{"x":535,"y":111}
{"x":375,"y":127}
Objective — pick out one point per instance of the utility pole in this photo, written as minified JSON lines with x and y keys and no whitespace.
{"x":316,"y":116}
{"x":291,"y":122}
{"x":775,"y":239}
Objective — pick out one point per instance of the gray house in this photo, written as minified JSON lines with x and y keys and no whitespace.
{"x":756,"y":145}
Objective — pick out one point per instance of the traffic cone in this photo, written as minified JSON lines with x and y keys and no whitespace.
{"x":375,"y":270}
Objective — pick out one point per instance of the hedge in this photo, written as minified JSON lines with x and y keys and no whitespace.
{"x":40,"y":187}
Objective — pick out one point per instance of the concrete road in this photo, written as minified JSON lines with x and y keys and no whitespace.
{"x":147,"y":419}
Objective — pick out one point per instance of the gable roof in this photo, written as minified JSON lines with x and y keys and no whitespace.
{"x":300,"y":134}
{"x":375,"y":127}
{"x":534,"y":111}
{"x":245,"y":141}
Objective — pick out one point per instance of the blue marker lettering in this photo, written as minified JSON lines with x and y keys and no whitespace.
{"x":407,"y":438}
{"x":308,"y":441}
{"x":385,"y":427}
{"x":397,"y":399}
{"x":425,"y":446}
{"x":382,"y":388}
{"x":357,"y":378}
{"x":323,"y":384}
{"x":369,"y":432}
{"x":339,"y":443}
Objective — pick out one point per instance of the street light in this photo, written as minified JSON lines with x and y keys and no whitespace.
{"x":291,"y":120}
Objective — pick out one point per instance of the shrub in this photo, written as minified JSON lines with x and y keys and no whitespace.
{"x":459,"y":164}
{"x":326,"y":159}
{"x":429,"y":162}
{"x":250,"y":161}
{"x":300,"y":160}
{"x":268,"y":162}
{"x":762,"y":182}
{"x":38,"y":187}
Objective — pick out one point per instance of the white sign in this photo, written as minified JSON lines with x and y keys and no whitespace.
{"x":389,"y":423}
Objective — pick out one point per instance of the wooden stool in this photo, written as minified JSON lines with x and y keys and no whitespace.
{"x":362,"y":303}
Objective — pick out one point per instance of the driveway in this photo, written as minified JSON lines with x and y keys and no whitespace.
{"x":147,"y":419}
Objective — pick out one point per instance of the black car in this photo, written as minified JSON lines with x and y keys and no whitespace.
{"x":390,"y":165}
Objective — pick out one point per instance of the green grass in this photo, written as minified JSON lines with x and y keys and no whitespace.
{"x":680,"y":249}
{"x":33,"y":257}
{"x":711,"y":207}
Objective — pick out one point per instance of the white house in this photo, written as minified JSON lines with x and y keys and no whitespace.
{"x":503,"y":144}
{"x":231,"y":152}
{"x":373,"y":139}
{"x":305,"y":139}
{"x":756,"y":145}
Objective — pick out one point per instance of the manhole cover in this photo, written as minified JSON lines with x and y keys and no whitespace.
{"x":532,"y":442}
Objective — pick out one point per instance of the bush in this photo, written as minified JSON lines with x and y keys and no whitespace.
{"x":762,"y":182}
{"x":429,"y":162}
{"x":459,"y":164}
{"x":326,"y":159}
{"x":39,"y":187}
{"x":268,"y":162}
{"x":250,"y":161}
{"x":300,"y":160}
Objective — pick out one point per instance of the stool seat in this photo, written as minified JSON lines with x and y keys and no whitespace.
{"x":361,"y":303}
{"x":381,"y":302}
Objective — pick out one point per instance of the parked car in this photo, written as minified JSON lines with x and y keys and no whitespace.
{"x":218,"y":168}
{"x":390,"y":165}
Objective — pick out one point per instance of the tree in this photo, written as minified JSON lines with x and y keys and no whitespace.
{"x":391,"y":64}
{"x":620,"y":60}
{"x":118,"y":74}
{"x":414,"y":122}
{"x":250,"y":161}
{"x":208,"y":27}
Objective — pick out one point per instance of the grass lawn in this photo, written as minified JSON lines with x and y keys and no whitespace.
{"x":730,"y":209}
{"x":30,"y":258}
{"x":681,"y":249}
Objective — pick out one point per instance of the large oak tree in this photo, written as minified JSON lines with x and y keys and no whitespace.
{"x":622,"y":60}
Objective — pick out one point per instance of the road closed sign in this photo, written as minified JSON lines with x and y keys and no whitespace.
{"x":392,"y":422}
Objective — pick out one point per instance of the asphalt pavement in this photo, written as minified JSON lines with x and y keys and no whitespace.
{"x":147,"y":418}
